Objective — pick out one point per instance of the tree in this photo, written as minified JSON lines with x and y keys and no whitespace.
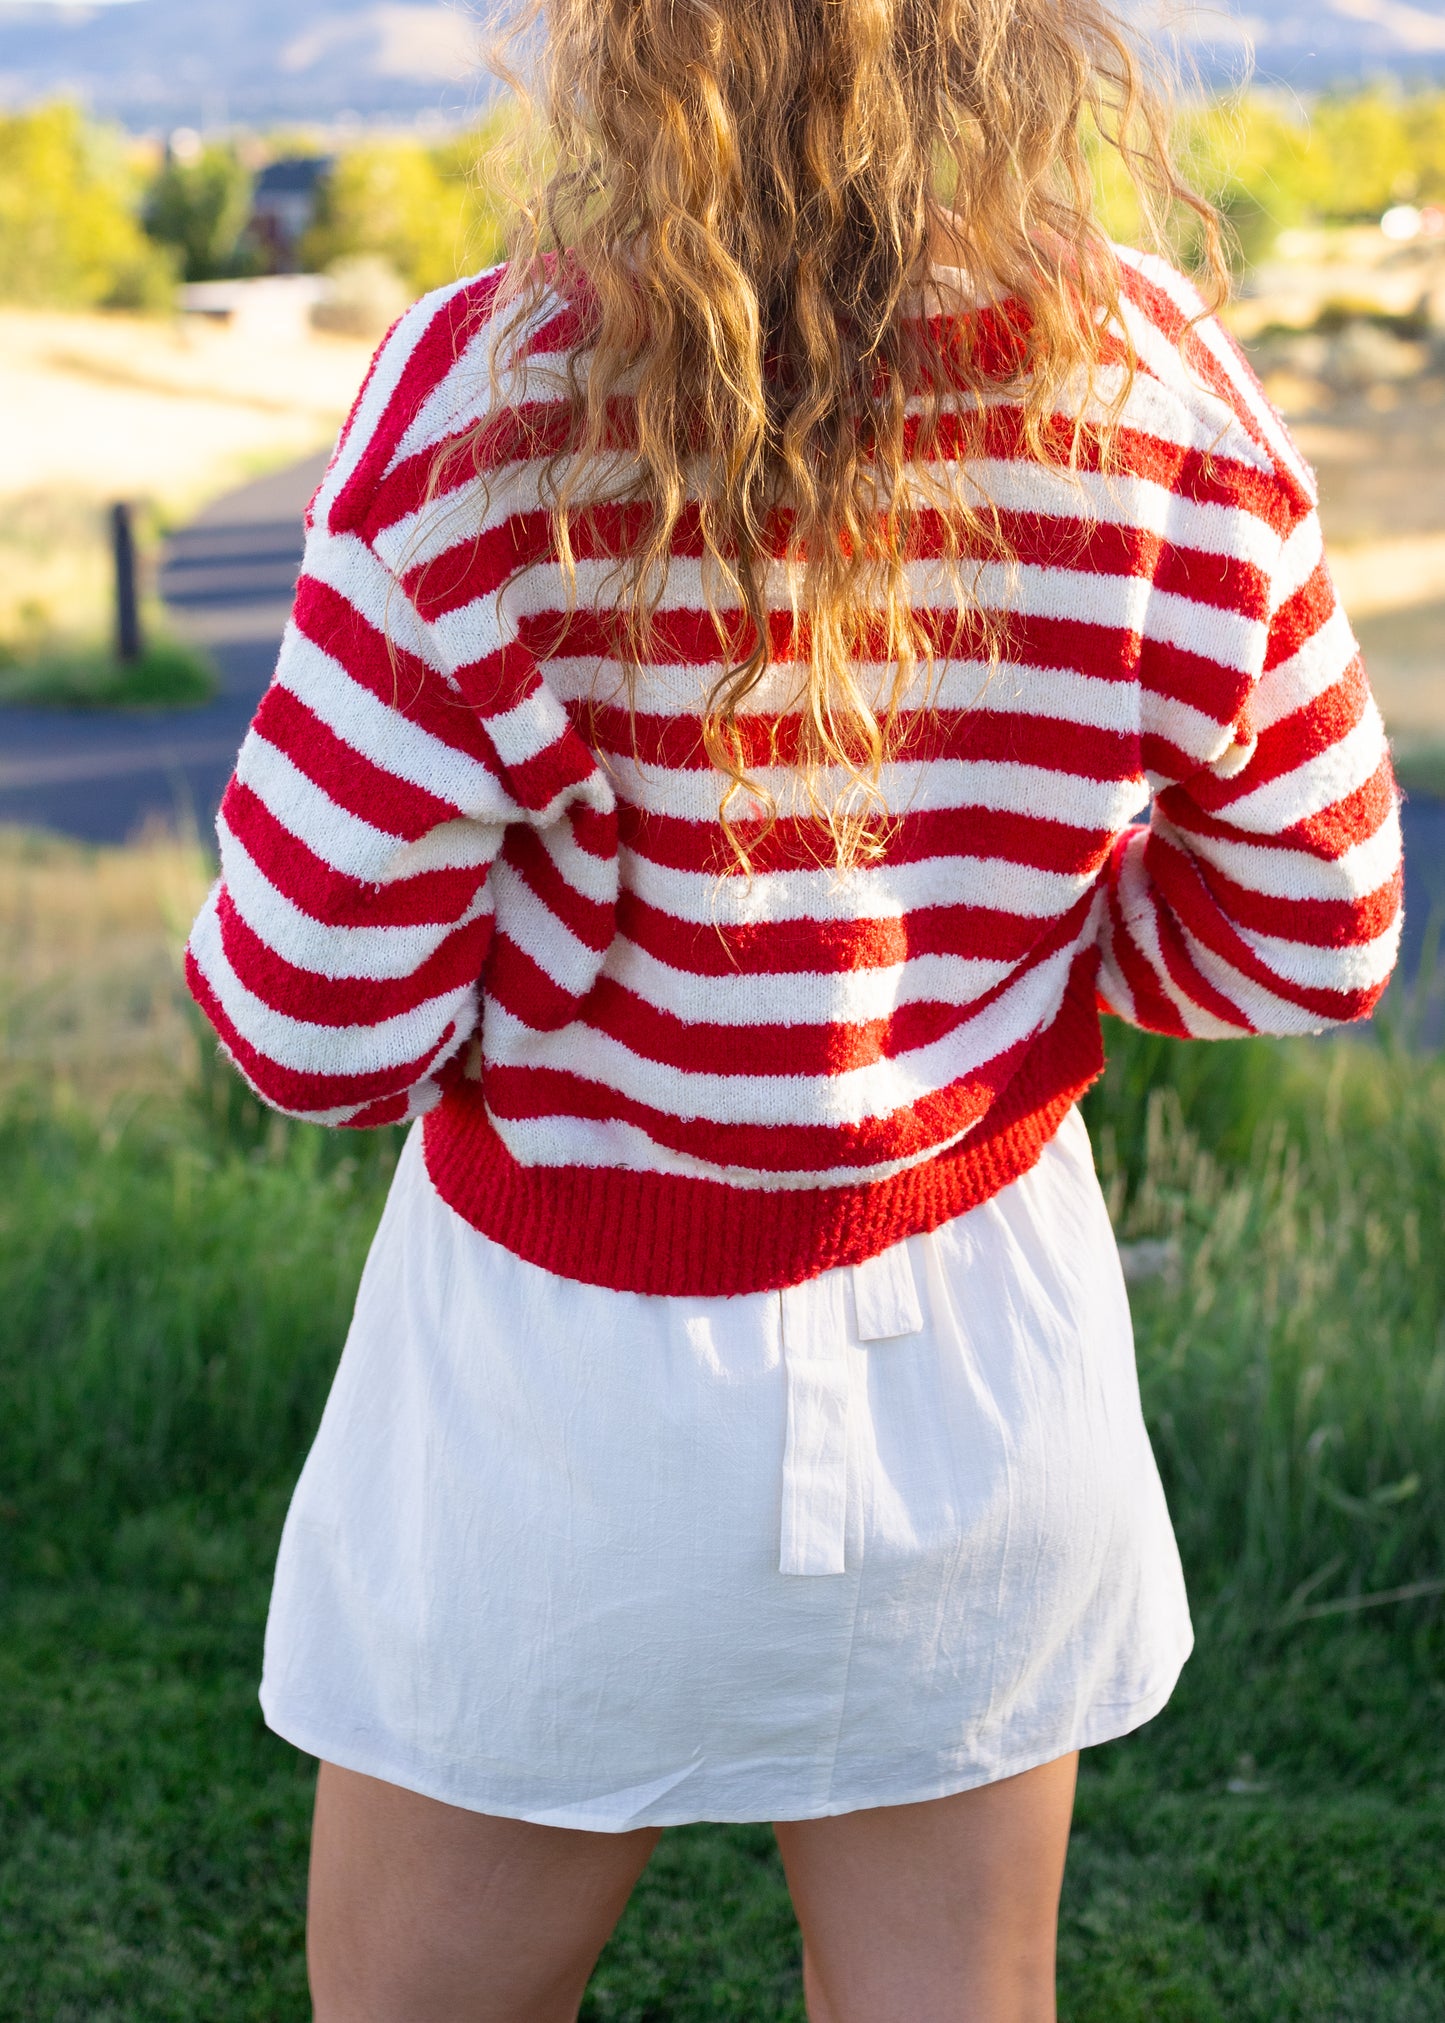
{"x":201,"y":208}
{"x":387,"y":198}
{"x":69,"y":234}
{"x":426,"y":211}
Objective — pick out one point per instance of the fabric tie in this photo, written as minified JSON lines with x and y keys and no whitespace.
{"x":815,"y":1355}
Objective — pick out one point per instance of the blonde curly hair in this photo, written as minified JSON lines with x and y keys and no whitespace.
{"x":747,"y":203}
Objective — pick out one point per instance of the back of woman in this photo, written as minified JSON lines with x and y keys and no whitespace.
{"x":736,"y":641}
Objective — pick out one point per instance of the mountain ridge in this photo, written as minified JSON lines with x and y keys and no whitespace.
{"x":156,"y":63}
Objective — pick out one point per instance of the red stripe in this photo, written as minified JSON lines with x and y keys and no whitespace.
{"x":291,"y":1089}
{"x":1291,"y":743}
{"x":1180,"y":887}
{"x":1351,"y":819}
{"x":432,"y":357}
{"x":334,"y":898}
{"x":825,"y":947}
{"x":1172,"y":322}
{"x":1328,"y":835}
{"x":521,"y":1094}
{"x":345,"y":1001}
{"x":390,"y":1110}
{"x":527,"y":432}
{"x":493,"y":685}
{"x":395,"y":677}
{"x":594,"y":830}
{"x":977,"y":735}
{"x":799,"y":1048}
{"x":518,"y":983}
{"x":1303,"y":613}
{"x":345,"y":775}
{"x":1313,"y":923}
{"x":685,"y":637}
{"x":591,"y":921}
{"x":474,"y":566}
{"x":745,"y":1051}
{"x":1177,"y":675}
{"x":1033,"y":841}
{"x":1189,"y":980}
{"x":1153,"y":1009}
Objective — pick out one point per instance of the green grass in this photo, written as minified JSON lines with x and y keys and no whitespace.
{"x":174,"y":1286}
{"x":167,"y":675}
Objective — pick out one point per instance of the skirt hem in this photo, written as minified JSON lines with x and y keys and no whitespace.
{"x":1107,"y":1722}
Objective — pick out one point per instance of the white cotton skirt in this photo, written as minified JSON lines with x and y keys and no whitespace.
{"x":607,"y":1560}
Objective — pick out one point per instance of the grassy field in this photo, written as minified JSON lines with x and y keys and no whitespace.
{"x":175,"y":1276}
{"x":166,"y":414}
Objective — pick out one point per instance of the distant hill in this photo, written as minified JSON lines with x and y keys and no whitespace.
{"x":173,"y":62}
{"x":168,"y":62}
{"x":1313,"y":43}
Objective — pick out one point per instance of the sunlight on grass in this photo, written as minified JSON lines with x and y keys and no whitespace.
{"x":91,"y":1003}
{"x":165,"y":675}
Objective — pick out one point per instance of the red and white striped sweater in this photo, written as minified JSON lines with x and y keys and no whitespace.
{"x":457,"y":879}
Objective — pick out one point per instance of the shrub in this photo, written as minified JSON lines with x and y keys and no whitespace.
{"x":431,"y":213}
{"x":364,"y":297}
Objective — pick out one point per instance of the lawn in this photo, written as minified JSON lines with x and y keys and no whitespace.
{"x":164,"y":675}
{"x":175,"y":1276}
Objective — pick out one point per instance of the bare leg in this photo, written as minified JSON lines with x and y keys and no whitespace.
{"x":945,"y":1912}
{"x":423,"y":1913}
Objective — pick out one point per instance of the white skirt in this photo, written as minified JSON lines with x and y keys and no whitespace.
{"x":606,"y":1560}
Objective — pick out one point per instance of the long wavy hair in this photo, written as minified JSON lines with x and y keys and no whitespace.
{"x":746,"y":203}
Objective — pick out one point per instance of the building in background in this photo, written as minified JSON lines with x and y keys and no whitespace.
{"x":283,"y":208}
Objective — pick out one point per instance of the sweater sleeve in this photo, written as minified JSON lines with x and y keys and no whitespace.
{"x":339,"y":955}
{"x":1264,"y":894}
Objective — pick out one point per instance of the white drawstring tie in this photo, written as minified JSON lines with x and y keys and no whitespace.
{"x":815,"y":1337}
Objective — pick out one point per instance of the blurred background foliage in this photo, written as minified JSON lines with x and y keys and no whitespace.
{"x":200,"y":210}
{"x":71,"y":235}
{"x":93,"y":218}
{"x":90,"y":217}
{"x":1270,"y":162}
{"x":426,"y":211}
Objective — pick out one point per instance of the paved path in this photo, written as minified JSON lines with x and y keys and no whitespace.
{"x":228,"y":577}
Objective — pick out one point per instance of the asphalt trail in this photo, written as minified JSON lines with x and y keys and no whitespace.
{"x":228,"y":578}
{"x":102,"y":775}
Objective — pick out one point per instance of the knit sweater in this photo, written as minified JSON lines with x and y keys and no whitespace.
{"x":459,"y":877}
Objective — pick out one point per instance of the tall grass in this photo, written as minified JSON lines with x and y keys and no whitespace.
{"x":177,"y":1264}
{"x":176,"y":1272}
{"x":174,"y":1290}
{"x":1292,"y":1347}
{"x":171,"y":1308}
{"x":91,"y":1006}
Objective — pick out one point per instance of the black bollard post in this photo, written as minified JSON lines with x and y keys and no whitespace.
{"x":127,"y":602}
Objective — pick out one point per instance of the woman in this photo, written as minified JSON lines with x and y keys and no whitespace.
{"x":699,"y":780}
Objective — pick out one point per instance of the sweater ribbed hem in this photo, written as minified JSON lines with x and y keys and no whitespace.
{"x":664,"y":1233}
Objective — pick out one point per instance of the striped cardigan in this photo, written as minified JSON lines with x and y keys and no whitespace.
{"x":459,"y":879}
